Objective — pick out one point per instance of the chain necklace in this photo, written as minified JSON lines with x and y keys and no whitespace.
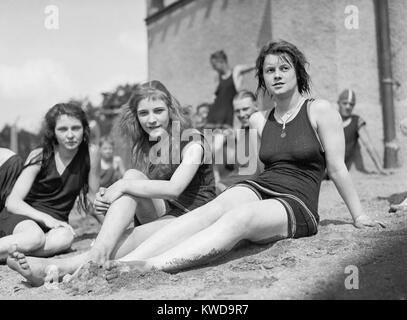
{"x":287,"y":116}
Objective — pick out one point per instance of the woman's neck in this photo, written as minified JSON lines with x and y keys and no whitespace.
{"x":65,"y":154}
{"x":287,"y":103}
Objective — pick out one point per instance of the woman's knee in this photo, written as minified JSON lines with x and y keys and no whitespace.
{"x":134,"y":174}
{"x":62,"y":238}
{"x":238,"y":221}
{"x":33,"y":233}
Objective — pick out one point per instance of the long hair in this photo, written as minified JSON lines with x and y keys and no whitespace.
{"x":285,"y":50}
{"x":130,"y":127}
{"x":49,"y":141}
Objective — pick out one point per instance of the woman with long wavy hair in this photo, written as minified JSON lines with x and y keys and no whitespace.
{"x":173,"y":175}
{"x":38,"y":197}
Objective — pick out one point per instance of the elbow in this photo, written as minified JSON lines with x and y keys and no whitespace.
{"x":337,"y":170}
{"x":174,"y":193}
{"x":11,"y":204}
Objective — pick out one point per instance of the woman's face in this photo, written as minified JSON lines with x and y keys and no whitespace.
{"x":68,"y":132}
{"x":279,"y":75}
{"x":154,"y":117}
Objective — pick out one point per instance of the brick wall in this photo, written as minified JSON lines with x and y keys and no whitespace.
{"x":181,"y":41}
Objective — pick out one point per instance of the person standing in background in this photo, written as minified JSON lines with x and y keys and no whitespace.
{"x":230,"y":82}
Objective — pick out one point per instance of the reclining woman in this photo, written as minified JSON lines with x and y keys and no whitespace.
{"x":299,"y":138}
{"x":36,"y":198}
{"x":171,"y":178}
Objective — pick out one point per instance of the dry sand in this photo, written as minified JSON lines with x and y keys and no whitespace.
{"x":308,"y":268}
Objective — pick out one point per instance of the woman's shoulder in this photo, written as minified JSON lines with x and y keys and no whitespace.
{"x":321,"y":105}
{"x":258,"y":118}
{"x":322,"y":111}
{"x":35,"y":154}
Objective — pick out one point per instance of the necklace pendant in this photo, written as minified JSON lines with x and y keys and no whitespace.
{"x":283,"y":134}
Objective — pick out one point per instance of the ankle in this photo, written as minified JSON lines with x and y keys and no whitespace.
{"x":99,"y":254}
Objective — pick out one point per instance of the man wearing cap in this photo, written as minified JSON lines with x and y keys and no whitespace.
{"x":355,"y":131}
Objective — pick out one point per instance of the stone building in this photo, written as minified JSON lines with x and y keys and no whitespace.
{"x":182,"y":35}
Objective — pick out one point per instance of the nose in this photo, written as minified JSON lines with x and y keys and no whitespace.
{"x":152,"y":119}
{"x":69,"y":134}
{"x":277,"y":74}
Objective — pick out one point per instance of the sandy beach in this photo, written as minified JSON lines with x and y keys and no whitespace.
{"x":318,"y":267}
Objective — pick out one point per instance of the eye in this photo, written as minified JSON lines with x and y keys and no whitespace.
{"x":285,"y":68}
{"x":159,"y":110}
{"x":142,"y":113}
{"x":77,"y":128}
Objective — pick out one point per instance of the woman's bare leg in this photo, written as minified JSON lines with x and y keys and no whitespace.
{"x":27,"y":235}
{"x":264,"y":221}
{"x":118,"y":218}
{"x":191,"y":223}
{"x":56,"y":241}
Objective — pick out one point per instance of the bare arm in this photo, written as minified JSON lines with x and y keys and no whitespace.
{"x":120,"y":165}
{"x":367,"y":143}
{"x":238,"y":72}
{"x":94,"y":172}
{"x":328,"y":125}
{"x":15,"y":201}
{"x":162,"y":189}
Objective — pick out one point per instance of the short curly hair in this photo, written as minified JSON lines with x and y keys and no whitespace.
{"x":293,"y":55}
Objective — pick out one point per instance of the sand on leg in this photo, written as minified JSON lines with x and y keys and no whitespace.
{"x":259,"y":221}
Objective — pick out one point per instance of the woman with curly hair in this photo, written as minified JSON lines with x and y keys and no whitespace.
{"x":38,"y":197}
{"x":171,"y":177}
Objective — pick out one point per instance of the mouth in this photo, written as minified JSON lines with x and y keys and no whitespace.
{"x":278,"y":84}
{"x":154,"y":128}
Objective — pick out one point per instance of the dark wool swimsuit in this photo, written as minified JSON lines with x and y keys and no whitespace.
{"x":9,"y":172}
{"x":51,"y":193}
{"x":294,"y":169}
{"x":199,"y":191}
{"x":221,"y":112}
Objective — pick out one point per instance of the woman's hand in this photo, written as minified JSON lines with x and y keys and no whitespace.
{"x":53,"y":223}
{"x":114,"y":192}
{"x":365,"y":221}
{"x":100,"y":204}
{"x":105,"y":197}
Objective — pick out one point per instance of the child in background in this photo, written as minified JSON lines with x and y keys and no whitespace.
{"x":112,"y":167}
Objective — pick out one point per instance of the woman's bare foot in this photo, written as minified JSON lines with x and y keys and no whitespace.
{"x":114,"y":269}
{"x":33,"y":269}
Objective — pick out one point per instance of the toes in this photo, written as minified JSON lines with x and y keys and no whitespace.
{"x":109,"y":265}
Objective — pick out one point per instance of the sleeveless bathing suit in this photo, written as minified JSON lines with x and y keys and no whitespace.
{"x":51,"y":193}
{"x":9,"y":172}
{"x":294,"y":169}
{"x":200,"y":190}
{"x":221,"y":112}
